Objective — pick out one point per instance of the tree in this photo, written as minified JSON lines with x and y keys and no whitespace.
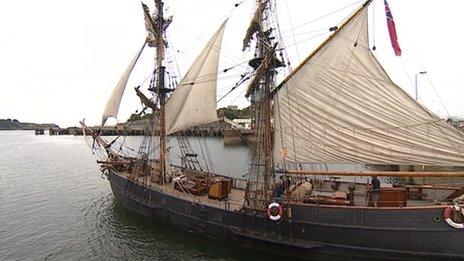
{"x":244,"y":113}
{"x":137,"y":117}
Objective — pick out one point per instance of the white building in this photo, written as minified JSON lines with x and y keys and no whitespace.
{"x":245,"y":123}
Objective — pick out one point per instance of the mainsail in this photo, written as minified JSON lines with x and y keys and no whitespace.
{"x":112,"y":106}
{"x":194,"y":101}
{"x":340,"y":106}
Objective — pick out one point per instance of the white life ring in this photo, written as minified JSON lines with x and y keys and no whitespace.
{"x":447,"y":216}
{"x":269,"y":211}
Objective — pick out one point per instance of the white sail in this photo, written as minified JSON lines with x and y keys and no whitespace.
{"x":340,"y":106}
{"x":194,"y":101}
{"x":112,"y":106}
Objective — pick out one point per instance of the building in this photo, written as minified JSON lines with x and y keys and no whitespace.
{"x":245,"y":123}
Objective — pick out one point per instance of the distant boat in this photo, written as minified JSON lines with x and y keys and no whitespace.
{"x":39,"y":131}
{"x":338,"y":106}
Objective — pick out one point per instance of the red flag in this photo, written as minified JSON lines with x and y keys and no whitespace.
{"x":392,"y":30}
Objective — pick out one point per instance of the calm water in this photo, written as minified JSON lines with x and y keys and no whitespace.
{"x":54,"y":205}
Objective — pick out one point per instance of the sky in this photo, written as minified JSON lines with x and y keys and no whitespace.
{"x":60,"y":59}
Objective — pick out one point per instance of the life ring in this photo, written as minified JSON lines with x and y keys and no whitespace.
{"x":269,"y":211}
{"x":447,"y":216}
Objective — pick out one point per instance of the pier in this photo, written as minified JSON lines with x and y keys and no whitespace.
{"x":106,"y":131}
{"x":233,"y":134}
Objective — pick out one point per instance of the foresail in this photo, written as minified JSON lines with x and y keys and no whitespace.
{"x":194,"y":101}
{"x":340,"y":106}
{"x":112,"y":106}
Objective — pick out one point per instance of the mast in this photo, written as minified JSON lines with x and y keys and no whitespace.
{"x":259,"y":92}
{"x":160,"y":89}
{"x":267,"y":142}
{"x":263,"y":51}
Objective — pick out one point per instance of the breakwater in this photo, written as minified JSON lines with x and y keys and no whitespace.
{"x":232,"y":136}
{"x":110,"y":131}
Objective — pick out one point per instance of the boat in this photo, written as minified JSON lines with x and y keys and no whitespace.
{"x":339,"y":106}
{"x":39,"y":131}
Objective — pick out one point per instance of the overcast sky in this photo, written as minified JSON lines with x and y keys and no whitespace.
{"x":60,"y":59}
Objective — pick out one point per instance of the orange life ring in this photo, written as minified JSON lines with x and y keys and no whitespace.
{"x":447,"y":216}
{"x":279,"y":214}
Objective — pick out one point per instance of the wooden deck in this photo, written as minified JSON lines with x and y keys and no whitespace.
{"x":233,"y":202}
{"x":235,"y":199}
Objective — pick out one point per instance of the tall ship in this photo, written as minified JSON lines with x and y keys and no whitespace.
{"x":339,"y":106}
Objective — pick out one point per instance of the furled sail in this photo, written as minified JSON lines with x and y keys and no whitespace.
{"x":145,"y":100}
{"x":194,"y":101}
{"x":112,"y":106}
{"x":150,"y":26}
{"x":340,"y":106}
{"x":255,"y":24}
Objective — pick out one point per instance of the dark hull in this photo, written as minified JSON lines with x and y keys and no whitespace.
{"x":314,"y":231}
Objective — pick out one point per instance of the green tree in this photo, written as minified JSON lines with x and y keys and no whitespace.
{"x":244,"y":113}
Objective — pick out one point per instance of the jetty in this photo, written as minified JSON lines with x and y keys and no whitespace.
{"x":232,"y":132}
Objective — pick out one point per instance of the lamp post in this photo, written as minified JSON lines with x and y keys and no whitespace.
{"x":423,"y":72}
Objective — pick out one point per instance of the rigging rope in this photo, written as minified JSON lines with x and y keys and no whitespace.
{"x":242,"y":80}
{"x":292,"y":30}
{"x":326,"y":15}
{"x":460,"y":134}
{"x":373,"y":26}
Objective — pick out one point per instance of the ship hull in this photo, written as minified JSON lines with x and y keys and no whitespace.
{"x":314,"y":232}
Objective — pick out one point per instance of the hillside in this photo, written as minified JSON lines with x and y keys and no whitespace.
{"x":14,"y":124}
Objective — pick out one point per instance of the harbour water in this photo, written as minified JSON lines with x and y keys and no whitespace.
{"x":54,"y":205}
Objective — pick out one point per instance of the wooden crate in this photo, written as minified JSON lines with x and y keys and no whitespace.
{"x":220,"y":189}
{"x":390,"y":197}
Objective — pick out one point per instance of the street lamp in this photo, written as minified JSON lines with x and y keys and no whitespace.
{"x":423,"y":72}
